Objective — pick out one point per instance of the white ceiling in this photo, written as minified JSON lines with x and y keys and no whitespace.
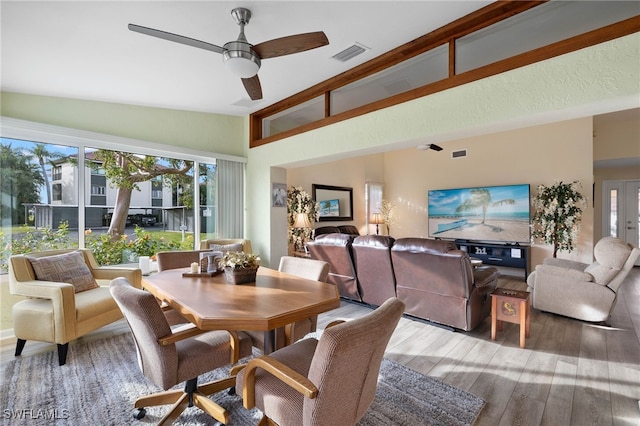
{"x":83,"y":50}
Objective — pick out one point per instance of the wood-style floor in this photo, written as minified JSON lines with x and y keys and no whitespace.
{"x":570,"y":373}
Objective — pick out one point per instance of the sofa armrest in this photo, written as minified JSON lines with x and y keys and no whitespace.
{"x":561,"y":273}
{"x":134,"y":275}
{"x":485,"y":279}
{"x":63,"y":300}
{"x":564,"y":263}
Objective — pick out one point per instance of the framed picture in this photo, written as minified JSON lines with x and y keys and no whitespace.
{"x":278,"y":195}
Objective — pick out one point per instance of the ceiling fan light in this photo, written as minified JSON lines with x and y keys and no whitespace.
{"x":242,"y":63}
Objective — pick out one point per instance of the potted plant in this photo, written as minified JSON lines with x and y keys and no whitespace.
{"x":240,"y":267}
{"x":558,"y":211}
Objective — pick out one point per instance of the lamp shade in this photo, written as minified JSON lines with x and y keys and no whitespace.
{"x":376,"y":218}
{"x":302,"y":221}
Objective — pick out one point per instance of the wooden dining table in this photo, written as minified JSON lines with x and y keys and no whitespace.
{"x":274,"y":300}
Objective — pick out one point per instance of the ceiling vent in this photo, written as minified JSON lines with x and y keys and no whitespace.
{"x":350,"y":52}
{"x":459,"y":154}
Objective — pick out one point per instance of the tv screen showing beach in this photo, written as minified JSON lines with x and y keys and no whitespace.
{"x":329,"y":208}
{"x":488,"y":214}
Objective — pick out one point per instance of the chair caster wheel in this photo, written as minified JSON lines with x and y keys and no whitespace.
{"x":139,"y":413}
{"x":231,"y":391}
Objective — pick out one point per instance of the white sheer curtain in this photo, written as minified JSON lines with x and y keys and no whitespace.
{"x":230,"y":199}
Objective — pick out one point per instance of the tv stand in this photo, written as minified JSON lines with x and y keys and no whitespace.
{"x":505,"y":255}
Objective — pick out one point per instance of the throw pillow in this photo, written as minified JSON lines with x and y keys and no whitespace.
{"x":226,"y":247}
{"x":64,"y":268}
{"x":601,"y":274}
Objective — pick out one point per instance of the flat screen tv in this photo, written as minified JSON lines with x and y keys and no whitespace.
{"x":329,"y":208}
{"x":482,"y":214}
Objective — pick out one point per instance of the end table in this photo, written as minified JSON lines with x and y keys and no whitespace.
{"x":511,"y":306}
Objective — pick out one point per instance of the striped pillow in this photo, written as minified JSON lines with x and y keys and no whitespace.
{"x":64,"y":268}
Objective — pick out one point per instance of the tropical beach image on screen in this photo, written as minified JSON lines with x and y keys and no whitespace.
{"x":329,"y":208}
{"x":491,"y":214}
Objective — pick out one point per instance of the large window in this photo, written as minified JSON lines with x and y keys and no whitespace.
{"x":102,"y":195}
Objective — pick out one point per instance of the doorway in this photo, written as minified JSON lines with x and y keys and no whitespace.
{"x":621,"y":210}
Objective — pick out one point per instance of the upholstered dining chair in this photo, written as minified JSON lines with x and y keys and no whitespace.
{"x":67,"y":296}
{"x":311,"y":269}
{"x":330,"y":381}
{"x":168,"y":357}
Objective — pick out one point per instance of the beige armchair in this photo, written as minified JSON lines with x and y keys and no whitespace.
{"x":581,"y":291}
{"x":331,"y":381}
{"x":55,"y":311}
{"x":206,"y":244}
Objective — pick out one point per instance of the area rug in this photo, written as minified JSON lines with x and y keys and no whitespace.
{"x":101,"y":380}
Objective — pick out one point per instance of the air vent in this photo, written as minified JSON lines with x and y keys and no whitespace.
{"x":350,"y":52}
{"x":459,"y":154}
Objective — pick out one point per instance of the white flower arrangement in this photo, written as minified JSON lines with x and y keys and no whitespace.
{"x":558,"y":212}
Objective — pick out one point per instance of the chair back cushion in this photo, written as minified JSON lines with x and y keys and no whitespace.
{"x":177,"y":259}
{"x":64,"y":268}
{"x":213,"y":244}
{"x":311,"y":269}
{"x":147,"y":322}
{"x":349,"y":229}
{"x":372,"y":260}
{"x":346,"y":364}
{"x":435,"y":280}
{"x":610,"y":256}
{"x":335,"y":249}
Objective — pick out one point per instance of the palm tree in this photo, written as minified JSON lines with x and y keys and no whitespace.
{"x":41,"y":152}
{"x":481,"y":198}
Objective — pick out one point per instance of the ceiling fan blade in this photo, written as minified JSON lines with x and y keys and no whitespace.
{"x":253,"y":87}
{"x":176,"y":38}
{"x":435,"y":147}
{"x":290,"y":44}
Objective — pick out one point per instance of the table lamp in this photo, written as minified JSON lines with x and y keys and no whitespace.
{"x":377,"y":219}
{"x":302,"y":222}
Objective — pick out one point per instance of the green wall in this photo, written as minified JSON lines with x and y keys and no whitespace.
{"x":223,"y":134}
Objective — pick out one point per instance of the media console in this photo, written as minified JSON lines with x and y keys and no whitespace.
{"x":506,"y":255}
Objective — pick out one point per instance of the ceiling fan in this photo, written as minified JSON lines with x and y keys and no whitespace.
{"x":241,"y":57}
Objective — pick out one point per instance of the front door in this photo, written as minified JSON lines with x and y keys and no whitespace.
{"x":621,"y":210}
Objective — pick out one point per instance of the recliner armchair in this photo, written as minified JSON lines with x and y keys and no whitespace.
{"x":336,"y":249}
{"x":54,"y":312}
{"x":437,"y":282}
{"x":582,"y":291}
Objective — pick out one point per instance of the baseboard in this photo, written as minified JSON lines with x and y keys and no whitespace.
{"x":7,"y":336}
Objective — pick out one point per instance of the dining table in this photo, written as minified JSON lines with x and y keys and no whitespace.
{"x":274,"y":300}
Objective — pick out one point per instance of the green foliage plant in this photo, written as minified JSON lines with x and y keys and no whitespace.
{"x":557,"y":214}
{"x":29,"y":240}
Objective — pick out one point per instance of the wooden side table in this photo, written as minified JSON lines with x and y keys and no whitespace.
{"x":511,"y":306}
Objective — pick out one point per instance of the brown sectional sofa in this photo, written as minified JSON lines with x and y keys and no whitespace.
{"x":434,"y":279}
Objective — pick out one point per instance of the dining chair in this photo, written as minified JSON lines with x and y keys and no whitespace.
{"x":330,"y":381}
{"x":168,"y":357}
{"x":311,"y":269}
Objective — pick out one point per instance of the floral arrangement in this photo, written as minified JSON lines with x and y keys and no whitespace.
{"x":299,"y":201}
{"x":558,"y":211}
{"x":240,"y":260}
{"x":385,"y":212}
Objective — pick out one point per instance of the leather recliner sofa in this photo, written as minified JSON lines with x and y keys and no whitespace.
{"x":434,"y":279}
{"x":437,"y":282}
